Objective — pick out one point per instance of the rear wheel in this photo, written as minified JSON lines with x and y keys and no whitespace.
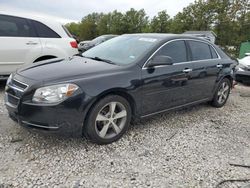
{"x":222,"y":93}
{"x":108,"y":120}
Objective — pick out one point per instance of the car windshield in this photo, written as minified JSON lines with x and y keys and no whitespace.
{"x":123,"y":49}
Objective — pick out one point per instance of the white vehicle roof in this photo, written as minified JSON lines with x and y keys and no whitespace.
{"x":46,"y":20}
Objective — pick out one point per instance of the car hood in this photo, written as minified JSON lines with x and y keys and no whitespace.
{"x":61,"y":70}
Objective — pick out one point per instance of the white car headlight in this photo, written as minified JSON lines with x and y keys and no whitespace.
{"x":54,"y":93}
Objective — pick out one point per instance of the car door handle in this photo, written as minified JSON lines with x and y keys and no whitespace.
{"x":31,"y":43}
{"x":219,"y":66}
{"x":187,"y":70}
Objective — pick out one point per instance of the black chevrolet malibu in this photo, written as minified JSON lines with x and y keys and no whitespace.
{"x":132,"y":76}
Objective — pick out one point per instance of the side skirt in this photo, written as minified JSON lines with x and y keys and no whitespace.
{"x":177,"y":107}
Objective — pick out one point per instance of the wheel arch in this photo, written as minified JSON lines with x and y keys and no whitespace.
{"x":115,"y":91}
{"x":44,"y":57}
{"x":229,"y":77}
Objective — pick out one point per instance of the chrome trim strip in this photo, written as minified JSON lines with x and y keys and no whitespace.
{"x":180,"y":106}
{"x":12,"y":96}
{"x":16,"y":88}
{"x":40,"y":126}
{"x":144,"y":65}
{"x":21,"y":83}
{"x":10,"y":105}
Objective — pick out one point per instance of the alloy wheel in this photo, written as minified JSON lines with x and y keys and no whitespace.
{"x":223,"y":93}
{"x":111,"y":120}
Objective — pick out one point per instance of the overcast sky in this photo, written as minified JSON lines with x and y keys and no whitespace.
{"x":74,"y":10}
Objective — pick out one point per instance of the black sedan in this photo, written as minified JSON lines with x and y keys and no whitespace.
{"x":129,"y":77}
{"x":86,"y":45}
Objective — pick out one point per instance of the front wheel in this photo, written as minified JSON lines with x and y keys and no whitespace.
{"x":222,"y":93}
{"x":108,"y":120}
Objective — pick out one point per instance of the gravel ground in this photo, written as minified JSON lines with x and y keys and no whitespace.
{"x":193,"y":147}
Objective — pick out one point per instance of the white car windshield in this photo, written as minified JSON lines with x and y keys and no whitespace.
{"x":122,"y":50}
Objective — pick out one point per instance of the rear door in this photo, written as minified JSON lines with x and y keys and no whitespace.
{"x":19,"y":43}
{"x":206,"y":67}
{"x":169,"y":86}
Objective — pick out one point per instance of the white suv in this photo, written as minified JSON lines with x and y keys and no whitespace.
{"x":25,"y":40}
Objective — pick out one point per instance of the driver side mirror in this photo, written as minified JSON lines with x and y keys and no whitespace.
{"x":160,"y":60}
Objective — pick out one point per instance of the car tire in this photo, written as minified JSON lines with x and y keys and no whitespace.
{"x":222,"y":93}
{"x":108,"y":120}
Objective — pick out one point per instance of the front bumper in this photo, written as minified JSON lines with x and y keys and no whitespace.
{"x":48,"y":119}
{"x":65,"y":118}
{"x":242,"y":76}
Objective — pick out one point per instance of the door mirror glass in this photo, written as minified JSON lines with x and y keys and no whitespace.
{"x":160,"y":60}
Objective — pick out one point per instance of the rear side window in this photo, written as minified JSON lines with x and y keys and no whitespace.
{"x":44,"y":31}
{"x":11,"y":26}
{"x":176,"y":50}
{"x":213,"y":53}
{"x":200,"y":50}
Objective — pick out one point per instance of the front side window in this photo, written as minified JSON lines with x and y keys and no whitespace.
{"x":44,"y":31}
{"x":11,"y":26}
{"x":200,"y":50}
{"x":176,"y":50}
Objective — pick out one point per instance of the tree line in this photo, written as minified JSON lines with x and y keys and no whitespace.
{"x":229,"y":19}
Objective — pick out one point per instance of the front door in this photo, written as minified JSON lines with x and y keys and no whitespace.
{"x":166,"y":87}
{"x":19,"y":43}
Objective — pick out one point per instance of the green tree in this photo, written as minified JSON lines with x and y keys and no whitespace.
{"x":160,"y":23}
{"x":74,"y":28}
{"x":134,"y":21}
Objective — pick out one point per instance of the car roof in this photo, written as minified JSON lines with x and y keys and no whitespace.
{"x":51,"y":23}
{"x":162,"y":37}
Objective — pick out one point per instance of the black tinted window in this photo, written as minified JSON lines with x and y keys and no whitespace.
{"x":214,"y":54}
{"x":11,"y":26}
{"x":200,"y":50}
{"x":44,"y":31}
{"x":176,"y":50}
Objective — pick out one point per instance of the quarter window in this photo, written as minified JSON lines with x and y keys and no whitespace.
{"x":176,"y":50}
{"x":44,"y":31}
{"x":214,"y":54}
{"x":200,"y":50}
{"x":11,"y":26}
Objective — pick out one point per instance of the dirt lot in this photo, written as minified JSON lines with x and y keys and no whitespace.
{"x":194,"y":147}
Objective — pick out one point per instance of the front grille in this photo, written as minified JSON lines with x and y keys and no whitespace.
{"x":14,"y":91}
{"x":19,"y":84}
{"x":12,"y":99}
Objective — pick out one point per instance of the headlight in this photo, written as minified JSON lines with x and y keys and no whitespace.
{"x":54,"y":93}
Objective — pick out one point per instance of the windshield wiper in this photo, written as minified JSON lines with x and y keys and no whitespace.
{"x":101,"y":59}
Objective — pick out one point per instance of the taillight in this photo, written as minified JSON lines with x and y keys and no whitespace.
{"x":73,"y":44}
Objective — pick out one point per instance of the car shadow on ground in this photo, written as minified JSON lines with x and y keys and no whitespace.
{"x":42,"y":140}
